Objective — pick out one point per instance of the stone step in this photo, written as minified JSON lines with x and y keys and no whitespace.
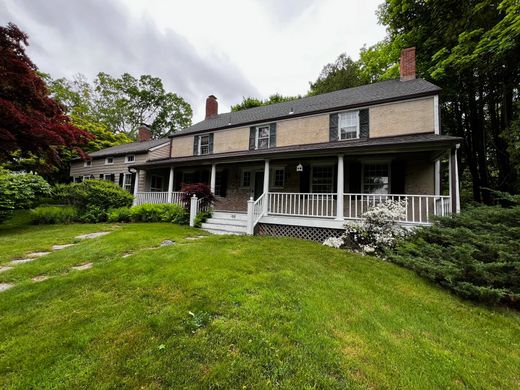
{"x":229,"y":215}
{"x":239,"y":229}
{"x":224,"y":221}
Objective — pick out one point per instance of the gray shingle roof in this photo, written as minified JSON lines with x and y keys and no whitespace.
{"x":351,"y":97}
{"x":134,"y":147}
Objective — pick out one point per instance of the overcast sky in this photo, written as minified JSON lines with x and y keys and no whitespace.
{"x":229,"y":48}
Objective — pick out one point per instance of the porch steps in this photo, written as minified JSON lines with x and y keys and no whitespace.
{"x":226,"y":223}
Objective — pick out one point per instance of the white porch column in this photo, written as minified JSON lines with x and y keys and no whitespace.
{"x":213,"y":177}
{"x":266,"y":185}
{"x":170,"y":185}
{"x":340,"y":190}
{"x":136,"y":184}
{"x":454,"y":182}
{"x":437,"y":177}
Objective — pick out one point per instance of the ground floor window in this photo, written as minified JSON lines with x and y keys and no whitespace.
{"x":278,"y":177}
{"x":376,"y":178}
{"x":245,"y":179}
{"x":156,"y":183}
{"x":107,"y":177}
{"x":322,"y":179}
{"x":127,"y":182}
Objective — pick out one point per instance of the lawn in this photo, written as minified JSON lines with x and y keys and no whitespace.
{"x":235,"y":312}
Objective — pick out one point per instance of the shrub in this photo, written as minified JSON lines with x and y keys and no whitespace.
{"x":53,"y":214}
{"x":93,"y":214}
{"x":19,"y":191}
{"x":201,"y":191}
{"x":201,"y":217}
{"x":474,"y":254}
{"x":159,"y":213}
{"x":176,"y":214}
{"x":121,"y":214}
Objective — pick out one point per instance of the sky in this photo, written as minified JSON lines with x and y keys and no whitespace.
{"x":228,"y":48}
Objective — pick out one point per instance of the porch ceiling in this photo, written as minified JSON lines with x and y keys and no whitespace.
{"x":410,"y":143}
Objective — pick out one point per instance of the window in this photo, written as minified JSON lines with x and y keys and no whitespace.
{"x":188,"y":177}
{"x":109,"y":160}
{"x":262,"y":137}
{"x":84,"y":178}
{"x":87,"y":163}
{"x":204,"y":144}
{"x":130,"y":158}
{"x":322,"y":179}
{"x":156,"y":183}
{"x":245,"y":179}
{"x":278,"y":177}
{"x":348,"y":125}
{"x":376,"y":178}
{"x":107,"y":177}
{"x":127,"y":182}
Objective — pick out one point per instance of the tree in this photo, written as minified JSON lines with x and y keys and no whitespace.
{"x":251,"y":102}
{"x":380,"y":61}
{"x":32,"y":124}
{"x":343,"y":73}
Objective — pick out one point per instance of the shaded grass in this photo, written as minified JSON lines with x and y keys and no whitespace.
{"x":241,"y":311}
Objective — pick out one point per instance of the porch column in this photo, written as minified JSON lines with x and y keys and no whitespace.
{"x":340,"y":189}
{"x":136,"y":184}
{"x":266,"y":186}
{"x":454,"y":181}
{"x":437,"y":177}
{"x":170,"y":185}
{"x":213,"y":178}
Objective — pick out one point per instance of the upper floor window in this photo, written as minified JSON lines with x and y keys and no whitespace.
{"x":204,"y":144}
{"x":263,"y":134}
{"x":376,"y":178}
{"x":87,"y":163}
{"x":130,"y":158}
{"x":348,"y":123}
{"x":109,"y":160}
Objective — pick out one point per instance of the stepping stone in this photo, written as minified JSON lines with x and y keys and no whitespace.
{"x":127,"y":254}
{"x":92,"y":235}
{"x":5,"y":286}
{"x":167,"y":243}
{"x":21,"y":261}
{"x":60,"y":247}
{"x":82,"y":267}
{"x":40,"y":278}
{"x":37,"y":254}
{"x":5,"y":269}
{"x":192,"y":238}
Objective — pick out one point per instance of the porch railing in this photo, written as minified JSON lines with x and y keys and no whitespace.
{"x":302,"y":204}
{"x":157,"y":197}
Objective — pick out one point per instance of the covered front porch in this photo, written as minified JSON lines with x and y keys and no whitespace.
{"x":315,"y":190}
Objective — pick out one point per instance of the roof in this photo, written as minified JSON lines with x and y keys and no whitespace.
{"x":428,"y":141}
{"x":134,"y":147}
{"x":383,"y":91}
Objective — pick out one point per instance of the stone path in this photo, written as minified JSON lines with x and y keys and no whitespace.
{"x":5,"y":268}
{"x":5,"y":286}
{"x":37,"y":254}
{"x":82,"y":267}
{"x":40,"y":278}
{"x":60,"y":247}
{"x":21,"y":261}
{"x":92,"y":235}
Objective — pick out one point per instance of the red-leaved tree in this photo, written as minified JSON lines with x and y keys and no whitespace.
{"x":32,"y":125}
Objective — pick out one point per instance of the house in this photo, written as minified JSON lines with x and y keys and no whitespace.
{"x":112,"y":163}
{"x":306,"y":167}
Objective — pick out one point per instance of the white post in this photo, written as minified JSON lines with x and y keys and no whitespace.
{"x":250,"y":217}
{"x":266,"y":185}
{"x":437,"y":175}
{"x":454,"y":182}
{"x":170,"y":186}
{"x":193,"y":210}
{"x":457,"y":185}
{"x":340,"y":189}
{"x":213,"y":178}
{"x":136,"y":187}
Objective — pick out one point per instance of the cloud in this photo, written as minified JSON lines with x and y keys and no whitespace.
{"x":70,"y":37}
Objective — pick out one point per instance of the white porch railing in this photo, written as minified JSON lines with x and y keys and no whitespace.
{"x":157,"y":197}
{"x":302,"y":204}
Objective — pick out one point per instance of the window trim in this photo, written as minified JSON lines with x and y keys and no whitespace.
{"x":388,"y":163}
{"x":272,"y":177}
{"x":199,"y":144}
{"x":162,"y":184}
{"x":242,"y":178}
{"x":87,"y":163}
{"x":332,"y":165}
{"x":357,"y":125}
{"x":257,"y":136}
{"x":109,"y":178}
{"x":109,"y":163}
{"x":125,"y":175}
{"x":126,"y":158}
{"x":85,"y":177}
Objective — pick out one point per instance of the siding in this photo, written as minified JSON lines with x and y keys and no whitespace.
{"x":232,"y":140}
{"x":309,"y":130}
{"x":182,"y":146}
{"x":160,"y":152}
{"x":98,"y":166}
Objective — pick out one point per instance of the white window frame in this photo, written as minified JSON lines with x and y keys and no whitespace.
{"x":273,"y":177}
{"x":126,"y":158}
{"x":87,"y":163}
{"x":328,"y":165}
{"x":242,"y":185}
{"x":105,"y":175}
{"x":109,"y":163}
{"x":341,"y":117}
{"x":200,"y":144}
{"x":257,"y":136}
{"x":85,"y":177}
{"x":125,"y":185}
{"x":376,"y":162}
{"x":156,"y":189}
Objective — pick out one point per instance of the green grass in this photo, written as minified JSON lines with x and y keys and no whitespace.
{"x":234,"y":312}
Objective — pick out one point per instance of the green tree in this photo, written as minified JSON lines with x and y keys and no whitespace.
{"x":251,"y":102}
{"x":340,"y":74}
{"x":380,"y":61}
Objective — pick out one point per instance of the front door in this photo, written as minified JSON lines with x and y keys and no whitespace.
{"x":259,"y":184}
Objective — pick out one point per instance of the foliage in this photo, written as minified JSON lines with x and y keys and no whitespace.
{"x":19,"y":191}
{"x":32,"y":125}
{"x":380,"y":61}
{"x":121,"y":214}
{"x":251,"y":102}
{"x":45,"y":215}
{"x":201,"y":217}
{"x":474,"y":254}
{"x":201,"y":191}
{"x":96,"y":194}
{"x":342,"y":73}
{"x":159,"y":213}
{"x":93,"y":214}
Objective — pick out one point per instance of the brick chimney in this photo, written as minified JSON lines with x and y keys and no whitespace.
{"x":211,"y":107}
{"x":407,"y":64}
{"x":144,"y":133}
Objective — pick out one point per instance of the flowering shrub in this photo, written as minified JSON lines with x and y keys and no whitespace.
{"x":378,"y":230}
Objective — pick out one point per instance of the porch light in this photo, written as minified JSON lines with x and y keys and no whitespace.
{"x":299,"y":168}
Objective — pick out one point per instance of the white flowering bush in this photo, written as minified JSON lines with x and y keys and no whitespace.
{"x":377,"y":231}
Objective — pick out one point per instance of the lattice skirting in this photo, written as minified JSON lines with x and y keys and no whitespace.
{"x":305,"y":232}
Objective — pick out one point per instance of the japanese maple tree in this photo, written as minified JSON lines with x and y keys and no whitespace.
{"x":32,"y":124}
